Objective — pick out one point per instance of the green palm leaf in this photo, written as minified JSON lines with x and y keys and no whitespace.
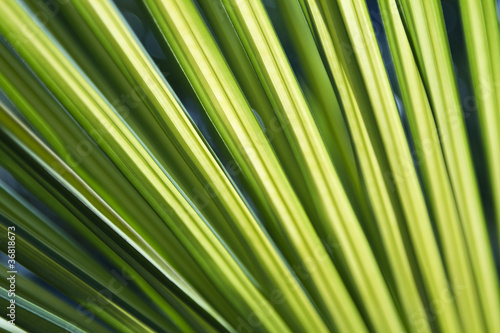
{"x":248,"y":165}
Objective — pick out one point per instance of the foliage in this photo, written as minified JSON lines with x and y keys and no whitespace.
{"x":247,"y":165}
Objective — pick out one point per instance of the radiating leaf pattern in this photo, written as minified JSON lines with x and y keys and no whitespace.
{"x":249,"y":166}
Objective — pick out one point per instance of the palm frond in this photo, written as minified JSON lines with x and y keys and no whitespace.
{"x":248,"y":165}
